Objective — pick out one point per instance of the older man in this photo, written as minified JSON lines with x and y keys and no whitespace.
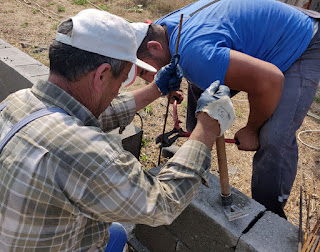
{"x":63,"y":179}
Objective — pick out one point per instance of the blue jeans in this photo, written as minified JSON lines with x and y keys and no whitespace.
{"x":118,"y":238}
{"x":275,"y":163}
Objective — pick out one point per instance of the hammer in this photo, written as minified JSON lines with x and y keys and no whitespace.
{"x":232,"y":211}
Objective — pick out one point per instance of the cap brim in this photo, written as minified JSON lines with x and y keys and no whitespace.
{"x":145,"y":66}
{"x":134,"y":71}
{"x":131,"y":76}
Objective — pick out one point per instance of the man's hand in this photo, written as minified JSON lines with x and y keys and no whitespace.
{"x":216,"y":102}
{"x":169,"y":77}
{"x":176,"y":95}
{"x":249,"y":139}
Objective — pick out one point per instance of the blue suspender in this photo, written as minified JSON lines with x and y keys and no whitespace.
{"x":19,"y":125}
{"x":3,"y":105}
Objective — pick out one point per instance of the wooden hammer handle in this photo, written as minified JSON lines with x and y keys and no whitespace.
{"x":223,"y":167}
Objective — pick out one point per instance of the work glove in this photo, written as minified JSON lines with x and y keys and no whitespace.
{"x":169,"y":77}
{"x":216,"y":102}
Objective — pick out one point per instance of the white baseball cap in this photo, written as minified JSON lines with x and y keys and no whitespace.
{"x":106,"y":34}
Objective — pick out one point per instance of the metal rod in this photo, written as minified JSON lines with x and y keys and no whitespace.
{"x":300,"y":221}
{"x":169,"y":96}
{"x":308,"y":215}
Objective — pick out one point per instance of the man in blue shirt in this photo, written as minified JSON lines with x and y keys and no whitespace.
{"x":263,"y":47}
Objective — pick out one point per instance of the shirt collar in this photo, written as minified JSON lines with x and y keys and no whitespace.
{"x":58,"y":97}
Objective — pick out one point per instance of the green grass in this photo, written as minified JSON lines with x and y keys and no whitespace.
{"x":61,"y":8}
{"x":25,"y":24}
{"x":79,"y":2}
{"x":55,"y":26}
{"x":184,"y":104}
{"x":238,"y":113}
{"x":104,"y":7}
{"x":144,"y":142}
{"x":148,"y":109}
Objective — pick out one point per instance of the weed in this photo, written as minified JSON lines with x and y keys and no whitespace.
{"x":148,"y":109}
{"x":79,"y":2}
{"x":61,"y":8}
{"x":238,"y":113}
{"x":137,"y":8}
{"x":55,"y":27}
{"x":104,"y":7}
{"x":317,"y":99}
{"x":184,"y":104}
{"x":162,"y":7}
{"x":35,"y":11}
{"x":25,"y":24}
{"x":50,"y":4}
{"x":6,"y":11}
{"x":144,"y":158}
{"x":145,"y":141}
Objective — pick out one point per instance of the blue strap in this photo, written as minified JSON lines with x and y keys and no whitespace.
{"x":19,"y":125}
{"x":3,"y":105}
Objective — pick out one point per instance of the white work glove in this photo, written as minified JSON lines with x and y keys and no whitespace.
{"x":216,"y":102}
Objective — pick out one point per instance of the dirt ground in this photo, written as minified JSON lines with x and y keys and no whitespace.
{"x":31,"y":26}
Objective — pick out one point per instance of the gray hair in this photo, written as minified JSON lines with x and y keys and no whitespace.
{"x":73,"y":63}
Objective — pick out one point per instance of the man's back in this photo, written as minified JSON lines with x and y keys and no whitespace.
{"x":45,"y":169}
{"x":265,"y":29}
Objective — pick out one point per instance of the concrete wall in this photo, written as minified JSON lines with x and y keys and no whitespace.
{"x":203,"y":226}
{"x":18,"y":70}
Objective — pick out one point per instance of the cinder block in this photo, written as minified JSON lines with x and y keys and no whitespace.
{"x":18,"y":70}
{"x":160,"y":240}
{"x":270,"y":234}
{"x":203,"y":225}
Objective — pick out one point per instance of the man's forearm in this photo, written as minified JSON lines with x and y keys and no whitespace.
{"x":206,"y":130}
{"x":146,"y":95}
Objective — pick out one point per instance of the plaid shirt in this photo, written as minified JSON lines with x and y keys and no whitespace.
{"x":64,"y":180}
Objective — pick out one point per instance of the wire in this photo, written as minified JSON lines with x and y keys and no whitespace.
{"x":29,"y":4}
{"x":307,"y":131}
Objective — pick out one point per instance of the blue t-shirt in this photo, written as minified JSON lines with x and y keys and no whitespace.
{"x":265,"y":29}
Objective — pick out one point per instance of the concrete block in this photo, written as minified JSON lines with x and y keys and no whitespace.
{"x":203,"y":225}
{"x":18,"y":70}
{"x":4,"y":44}
{"x":160,"y":240}
{"x":131,"y":138}
{"x":33,"y":70}
{"x":11,"y":80}
{"x":270,"y":234}
{"x":168,"y":152}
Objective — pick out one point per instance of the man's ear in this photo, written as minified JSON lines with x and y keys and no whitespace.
{"x":155,"y":48}
{"x":101,"y":74}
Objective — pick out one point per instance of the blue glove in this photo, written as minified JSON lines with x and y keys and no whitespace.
{"x":169,"y":77}
{"x":216,"y":102}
